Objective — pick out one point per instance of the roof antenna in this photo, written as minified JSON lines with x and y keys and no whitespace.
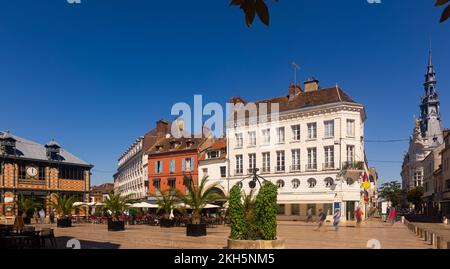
{"x":296,"y":68}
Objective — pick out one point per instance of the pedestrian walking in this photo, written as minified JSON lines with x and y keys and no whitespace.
{"x":336,"y":219}
{"x":52,"y":216}
{"x":322,"y":218}
{"x":309,"y":215}
{"x":392,"y":215}
{"x":36,"y":216}
{"x":358,"y":215}
{"x":42,"y":216}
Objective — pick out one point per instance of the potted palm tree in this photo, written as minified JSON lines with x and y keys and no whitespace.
{"x":167,"y":201}
{"x":25,"y":207}
{"x":197,"y":197}
{"x":64,"y":206}
{"x":115,"y":205}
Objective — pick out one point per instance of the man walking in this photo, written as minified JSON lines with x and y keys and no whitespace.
{"x":42,"y":216}
{"x":392,"y":215}
{"x":309,"y":215}
{"x":358,"y":215}
{"x":322,"y":218}
{"x":336,"y":219}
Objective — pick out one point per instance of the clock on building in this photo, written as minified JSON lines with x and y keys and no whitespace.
{"x":32,"y":171}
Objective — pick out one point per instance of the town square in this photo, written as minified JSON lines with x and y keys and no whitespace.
{"x":264,"y":125}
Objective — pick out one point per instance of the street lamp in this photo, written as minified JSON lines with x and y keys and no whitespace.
{"x":255,"y":178}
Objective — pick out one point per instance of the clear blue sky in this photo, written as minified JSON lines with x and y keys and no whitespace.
{"x":98,"y":74}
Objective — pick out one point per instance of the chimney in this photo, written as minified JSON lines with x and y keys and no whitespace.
{"x":294,"y":90}
{"x":311,"y":85}
{"x":232,"y":100}
{"x":162,"y":128}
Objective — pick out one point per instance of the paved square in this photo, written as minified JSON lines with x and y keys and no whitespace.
{"x":298,"y":235}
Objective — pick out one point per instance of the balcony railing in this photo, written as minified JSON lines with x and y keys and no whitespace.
{"x":328,"y":166}
{"x":311,"y":167}
{"x":280,"y":169}
{"x":265,"y":170}
{"x":239,"y":172}
{"x":295,"y":168}
{"x":353,"y":166}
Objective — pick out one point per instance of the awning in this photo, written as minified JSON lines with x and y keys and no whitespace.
{"x":143,"y":205}
{"x":309,"y":198}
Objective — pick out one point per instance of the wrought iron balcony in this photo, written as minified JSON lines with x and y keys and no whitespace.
{"x":295,"y":168}
{"x":311,"y":167}
{"x":328,"y":166}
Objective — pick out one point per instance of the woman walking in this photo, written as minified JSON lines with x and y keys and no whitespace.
{"x":392,"y":215}
{"x":336,"y":219}
{"x":358,"y":215}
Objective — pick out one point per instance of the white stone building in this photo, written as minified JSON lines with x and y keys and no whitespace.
{"x":314,"y":153}
{"x":213,"y":163}
{"x":131,"y":178}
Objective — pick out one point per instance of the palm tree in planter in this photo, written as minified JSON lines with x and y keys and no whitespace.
{"x":24,"y":210}
{"x":64,"y":206}
{"x":116,"y":206}
{"x":167,"y":201}
{"x":197,"y":197}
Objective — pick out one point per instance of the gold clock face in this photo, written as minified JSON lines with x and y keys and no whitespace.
{"x":32,"y":171}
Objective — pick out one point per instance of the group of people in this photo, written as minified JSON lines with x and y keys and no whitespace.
{"x":336,"y":218}
{"x":39,"y":216}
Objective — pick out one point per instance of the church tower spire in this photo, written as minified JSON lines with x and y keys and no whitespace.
{"x":430,"y":118}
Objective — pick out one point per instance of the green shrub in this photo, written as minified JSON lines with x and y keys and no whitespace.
{"x":266,"y":211}
{"x":254,"y":219}
{"x":237,"y":216}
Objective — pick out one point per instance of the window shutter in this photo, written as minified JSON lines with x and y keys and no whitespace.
{"x":156,"y":167}
{"x":192,"y":164}
{"x":161,"y":169}
{"x":183,"y":164}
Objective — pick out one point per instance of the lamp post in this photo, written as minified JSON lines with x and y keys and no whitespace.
{"x":255,"y":178}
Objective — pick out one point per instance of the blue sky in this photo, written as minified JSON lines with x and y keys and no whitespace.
{"x":96,"y":75}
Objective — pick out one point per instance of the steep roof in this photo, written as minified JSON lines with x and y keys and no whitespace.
{"x":166,"y":145}
{"x":31,"y":150}
{"x":219,"y":144}
{"x":309,"y":99}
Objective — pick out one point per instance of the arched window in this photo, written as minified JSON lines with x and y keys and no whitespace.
{"x":312,"y":182}
{"x":350,"y":181}
{"x":329,"y":182}
{"x":280,"y":184}
{"x":295,"y":183}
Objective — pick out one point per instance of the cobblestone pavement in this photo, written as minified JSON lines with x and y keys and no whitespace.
{"x":298,"y":235}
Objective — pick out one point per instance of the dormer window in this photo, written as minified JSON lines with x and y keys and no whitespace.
{"x":7,"y":143}
{"x":174,"y":144}
{"x":213,"y":154}
{"x":189,"y":143}
{"x":53,"y":150}
{"x":159,"y":147}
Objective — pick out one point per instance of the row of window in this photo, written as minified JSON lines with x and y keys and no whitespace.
{"x":187,"y":165}
{"x":296,"y":134}
{"x":65,"y":172}
{"x":171,"y":182}
{"x":223,"y":171}
{"x":295,"y":165}
{"x":311,"y":183}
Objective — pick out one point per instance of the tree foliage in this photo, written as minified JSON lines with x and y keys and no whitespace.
{"x":25,"y":205}
{"x":391,"y":191}
{"x":199,"y":195}
{"x":414,"y":196}
{"x":116,"y":204}
{"x":446,"y":13}
{"x":64,"y":205}
{"x":253,"y":8}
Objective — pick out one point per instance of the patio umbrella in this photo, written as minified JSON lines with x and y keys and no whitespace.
{"x":209,"y":206}
{"x":79,"y":204}
{"x":99,"y":204}
{"x":144,"y":205}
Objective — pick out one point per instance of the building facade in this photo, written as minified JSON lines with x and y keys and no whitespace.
{"x":171,"y":161}
{"x":101,"y":192}
{"x":427,"y":134}
{"x":314,"y":152}
{"x":431,"y":187}
{"x":445,"y":177}
{"x":213,"y":164}
{"x":131,"y":178}
{"x":39,"y":171}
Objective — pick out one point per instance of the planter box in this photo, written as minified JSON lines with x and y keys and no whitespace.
{"x":64,"y":223}
{"x":196,"y":230}
{"x":256,"y":244}
{"x":166,"y":223}
{"x":115,"y":226}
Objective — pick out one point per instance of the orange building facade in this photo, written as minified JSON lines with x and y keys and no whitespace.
{"x":170,"y":161}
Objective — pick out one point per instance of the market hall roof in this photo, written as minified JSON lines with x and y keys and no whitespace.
{"x":27,"y":149}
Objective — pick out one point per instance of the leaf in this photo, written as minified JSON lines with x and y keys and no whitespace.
{"x":262,"y":11}
{"x":441,"y":2}
{"x":250,"y":12}
{"x":445,"y":14}
{"x":239,"y":2}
